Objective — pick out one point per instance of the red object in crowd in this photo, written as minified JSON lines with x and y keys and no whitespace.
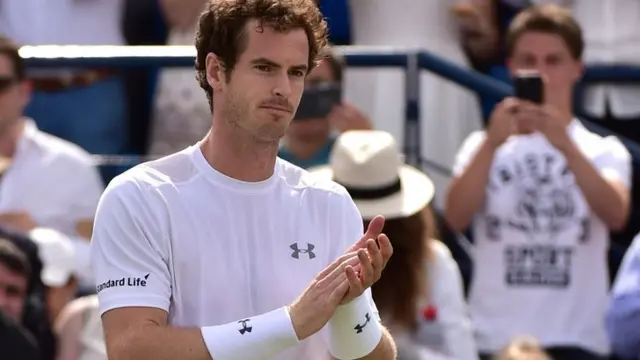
{"x":430,"y":313}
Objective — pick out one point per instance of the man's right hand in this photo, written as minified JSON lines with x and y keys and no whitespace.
{"x":313,"y":309}
{"x":501,"y":123}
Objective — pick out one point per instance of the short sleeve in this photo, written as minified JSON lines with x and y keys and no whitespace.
{"x":129,"y":249}
{"x":467,"y":151}
{"x":614,"y":163}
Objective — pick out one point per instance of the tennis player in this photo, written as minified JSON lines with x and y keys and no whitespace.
{"x":223,"y":251}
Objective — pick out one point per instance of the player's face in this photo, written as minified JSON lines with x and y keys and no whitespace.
{"x":550,"y":55}
{"x":14,"y":95}
{"x":267,"y":82}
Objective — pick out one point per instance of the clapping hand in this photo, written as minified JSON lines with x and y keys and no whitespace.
{"x":374,"y":251}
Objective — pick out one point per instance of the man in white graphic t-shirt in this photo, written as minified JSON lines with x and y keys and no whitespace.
{"x":541,"y":193}
{"x":223,"y":250}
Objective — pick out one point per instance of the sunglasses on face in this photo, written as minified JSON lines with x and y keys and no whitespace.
{"x":6,"y":82}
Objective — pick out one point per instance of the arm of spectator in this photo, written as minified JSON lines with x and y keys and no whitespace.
{"x":68,"y":329}
{"x":466,"y":193}
{"x":623,"y":315}
{"x":447,"y":291}
{"x":478,"y":27}
{"x":606,"y":182}
{"x":182,"y":14}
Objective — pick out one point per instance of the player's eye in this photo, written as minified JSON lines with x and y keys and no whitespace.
{"x":263,"y":68}
{"x":297,"y":73}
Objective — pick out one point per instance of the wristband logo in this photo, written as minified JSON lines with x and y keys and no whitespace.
{"x":125,"y":281}
{"x":245,"y":328}
{"x":359,"y":328}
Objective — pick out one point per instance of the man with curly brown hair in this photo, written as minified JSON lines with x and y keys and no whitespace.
{"x":204,"y":253}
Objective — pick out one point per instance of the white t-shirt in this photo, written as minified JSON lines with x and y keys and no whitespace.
{"x":540,"y":252}
{"x":175,"y":234}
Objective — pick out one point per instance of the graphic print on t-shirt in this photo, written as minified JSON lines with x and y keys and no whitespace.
{"x":544,"y":219}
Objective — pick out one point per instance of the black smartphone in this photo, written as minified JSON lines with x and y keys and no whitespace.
{"x":529,"y":86}
{"x":318,"y":100}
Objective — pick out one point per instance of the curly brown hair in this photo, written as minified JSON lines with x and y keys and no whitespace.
{"x":221,"y":30}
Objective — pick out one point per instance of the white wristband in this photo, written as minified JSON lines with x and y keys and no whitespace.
{"x":354,"y":330}
{"x":258,"y":337}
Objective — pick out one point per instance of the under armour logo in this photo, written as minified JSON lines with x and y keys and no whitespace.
{"x":245,"y":327}
{"x":297,"y":251}
{"x":358,"y":328}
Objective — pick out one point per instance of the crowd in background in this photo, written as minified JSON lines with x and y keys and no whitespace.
{"x":471,"y":277}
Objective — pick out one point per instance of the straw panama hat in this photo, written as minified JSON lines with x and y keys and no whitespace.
{"x":369,"y":164}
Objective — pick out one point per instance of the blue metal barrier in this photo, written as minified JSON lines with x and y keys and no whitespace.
{"x":412,"y":60}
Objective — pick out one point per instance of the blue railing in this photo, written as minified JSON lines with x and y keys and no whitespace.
{"x":412,"y":60}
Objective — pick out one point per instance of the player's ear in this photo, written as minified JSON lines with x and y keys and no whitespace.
{"x":215,"y":71}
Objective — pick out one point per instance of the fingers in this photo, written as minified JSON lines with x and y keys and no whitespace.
{"x":367,"y":270}
{"x":335,"y":264}
{"x":355,"y":286}
{"x":386,"y":249}
{"x":373,"y":230}
{"x":375,"y":227}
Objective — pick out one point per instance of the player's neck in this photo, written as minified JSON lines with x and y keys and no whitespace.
{"x":238,"y":156}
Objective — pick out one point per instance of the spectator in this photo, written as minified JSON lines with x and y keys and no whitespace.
{"x":623,"y":316}
{"x":448,"y":112}
{"x":15,"y":272}
{"x":84,"y":106}
{"x":58,"y":256}
{"x":614,"y":41}
{"x":309,"y":141}
{"x":181,"y":115}
{"x":50,"y":182}
{"x":79,"y":329}
{"x":420,"y":295}
{"x":541,"y":193}
{"x":35,"y":318}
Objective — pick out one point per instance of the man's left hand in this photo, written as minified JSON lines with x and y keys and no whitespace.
{"x":18,"y":220}
{"x":374,"y":251}
{"x":548,"y":121}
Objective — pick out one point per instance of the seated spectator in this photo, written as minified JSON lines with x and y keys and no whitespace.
{"x":523,"y":348}
{"x":321,"y":114}
{"x":15,"y":272}
{"x":79,"y":330}
{"x":541,"y":193}
{"x":83,"y":105}
{"x":50,"y":183}
{"x":419,"y":295}
{"x":623,"y":316}
{"x":58,"y":257}
{"x":35,"y":318}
